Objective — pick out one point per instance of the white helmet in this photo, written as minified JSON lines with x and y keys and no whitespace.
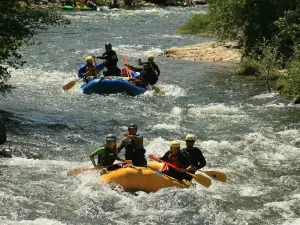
{"x":190,"y":137}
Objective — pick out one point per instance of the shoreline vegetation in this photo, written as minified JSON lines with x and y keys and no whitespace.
{"x":265,"y":45}
{"x":57,"y":4}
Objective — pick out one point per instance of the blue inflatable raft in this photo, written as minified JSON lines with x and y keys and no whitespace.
{"x":112,"y":85}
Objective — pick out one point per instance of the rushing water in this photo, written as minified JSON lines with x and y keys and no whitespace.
{"x":245,"y":131}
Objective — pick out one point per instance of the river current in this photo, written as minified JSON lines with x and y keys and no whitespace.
{"x":245,"y":131}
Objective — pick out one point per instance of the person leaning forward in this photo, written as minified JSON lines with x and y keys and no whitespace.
{"x":176,"y":158}
{"x":134,"y":148}
{"x":107,"y":154}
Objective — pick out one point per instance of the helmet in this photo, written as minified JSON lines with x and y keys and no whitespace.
{"x":132,"y":125}
{"x":89,"y":59}
{"x":190,"y":137}
{"x":175,"y":144}
{"x":150,"y":58}
{"x":108,"y":46}
{"x":111,"y":137}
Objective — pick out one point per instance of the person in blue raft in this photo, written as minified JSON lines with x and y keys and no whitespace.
{"x":149,"y":72}
{"x":90,"y":70}
{"x":111,"y":60}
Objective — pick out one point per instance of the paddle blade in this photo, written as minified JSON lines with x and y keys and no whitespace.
{"x":69,"y":85}
{"x":156,"y":89}
{"x":78,"y":171}
{"x":217,"y":175}
{"x":201,"y":179}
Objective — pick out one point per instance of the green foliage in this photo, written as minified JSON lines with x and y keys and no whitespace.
{"x":18,"y":24}
{"x":290,"y":83}
{"x":199,"y":24}
{"x":251,"y":21}
{"x":247,"y":67}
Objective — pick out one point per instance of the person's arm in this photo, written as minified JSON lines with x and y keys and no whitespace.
{"x":115,"y":57}
{"x":121,"y":145}
{"x":104,"y":56}
{"x":165,"y":157}
{"x":190,"y":166}
{"x":100,"y":151}
{"x":81,"y":71}
{"x":136,"y":69}
{"x":156,"y":69}
{"x":201,"y":160}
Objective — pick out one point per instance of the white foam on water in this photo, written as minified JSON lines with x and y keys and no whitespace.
{"x":215,"y":110}
{"x":266,"y":95}
{"x":254,"y":191}
{"x":292,"y":221}
{"x":157,"y":147}
{"x":171,"y":90}
{"x":37,"y":221}
{"x":173,"y":36}
{"x":164,"y":126}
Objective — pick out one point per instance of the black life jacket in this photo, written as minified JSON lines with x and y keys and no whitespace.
{"x":108,"y":158}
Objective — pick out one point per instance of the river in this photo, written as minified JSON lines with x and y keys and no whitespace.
{"x":245,"y":131}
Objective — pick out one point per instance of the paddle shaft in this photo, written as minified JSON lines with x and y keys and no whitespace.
{"x":199,"y":178}
{"x":81,"y":170}
{"x":169,"y":164}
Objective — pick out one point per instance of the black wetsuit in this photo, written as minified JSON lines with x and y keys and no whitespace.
{"x":111,"y":59}
{"x":147,"y":72}
{"x":195,"y":158}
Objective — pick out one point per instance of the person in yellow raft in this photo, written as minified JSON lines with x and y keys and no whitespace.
{"x":107,"y":154}
{"x":193,"y":155}
{"x":175,"y":157}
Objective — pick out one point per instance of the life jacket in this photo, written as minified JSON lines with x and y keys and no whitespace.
{"x":132,"y":150}
{"x":108,"y":158}
{"x":174,"y":160}
{"x":148,"y":73}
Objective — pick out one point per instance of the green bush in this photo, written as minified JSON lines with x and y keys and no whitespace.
{"x":199,"y":24}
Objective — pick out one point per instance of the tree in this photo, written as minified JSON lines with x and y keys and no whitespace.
{"x":252,"y":21}
{"x":18,"y":24}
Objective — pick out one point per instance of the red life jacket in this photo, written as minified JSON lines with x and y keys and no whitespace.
{"x":174,"y":160}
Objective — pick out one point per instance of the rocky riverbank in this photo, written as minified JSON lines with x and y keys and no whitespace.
{"x":207,"y":51}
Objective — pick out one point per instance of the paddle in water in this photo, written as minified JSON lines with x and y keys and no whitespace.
{"x":201,"y":179}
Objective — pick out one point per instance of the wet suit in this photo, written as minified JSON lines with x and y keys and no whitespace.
{"x":134,"y":150}
{"x":195,"y":158}
{"x":111,"y":59}
{"x":106,"y":157}
{"x":177,"y":160}
{"x":147,"y":74}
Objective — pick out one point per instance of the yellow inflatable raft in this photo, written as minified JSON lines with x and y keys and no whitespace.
{"x":132,"y":178}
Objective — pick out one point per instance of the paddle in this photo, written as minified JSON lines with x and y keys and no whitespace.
{"x":217,"y":175}
{"x":70,"y":84}
{"x":81,"y":170}
{"x":154,"y":87}
{"x":201,"y":179}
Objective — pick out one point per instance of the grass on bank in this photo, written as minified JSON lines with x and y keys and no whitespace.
{"x":199,"y":24}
